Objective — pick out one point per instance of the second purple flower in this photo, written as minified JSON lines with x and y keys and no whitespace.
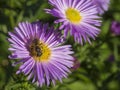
{"x":79,"y":17}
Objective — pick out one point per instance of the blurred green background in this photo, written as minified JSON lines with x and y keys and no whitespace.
{"x":99,"y":63}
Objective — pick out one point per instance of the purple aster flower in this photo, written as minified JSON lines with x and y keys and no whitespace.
{"x":37,"y":48}
{"x":115,"y":28}
{"x":77,"y":16}
{"x":102,"y":5}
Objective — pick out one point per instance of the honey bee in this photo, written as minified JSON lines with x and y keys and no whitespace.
{"x":38,"y":51}
{"x":35,"y":49}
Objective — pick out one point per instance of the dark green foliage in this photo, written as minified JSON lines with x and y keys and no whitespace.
{"x":96,"y":71}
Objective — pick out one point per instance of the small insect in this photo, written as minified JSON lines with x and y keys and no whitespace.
{"x":38,"y":51}
{"x":35,"y":48}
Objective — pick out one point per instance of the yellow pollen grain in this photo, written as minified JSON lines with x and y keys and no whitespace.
{"x":39,"y":51}
{"x":73,"y":15}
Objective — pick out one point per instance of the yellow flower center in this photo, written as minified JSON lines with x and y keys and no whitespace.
{"x":73,"y":15}
{"x":39,"y":50}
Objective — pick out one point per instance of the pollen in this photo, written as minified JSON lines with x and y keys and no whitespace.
{"x":73,"y":15}
{"x":39,"y":51}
